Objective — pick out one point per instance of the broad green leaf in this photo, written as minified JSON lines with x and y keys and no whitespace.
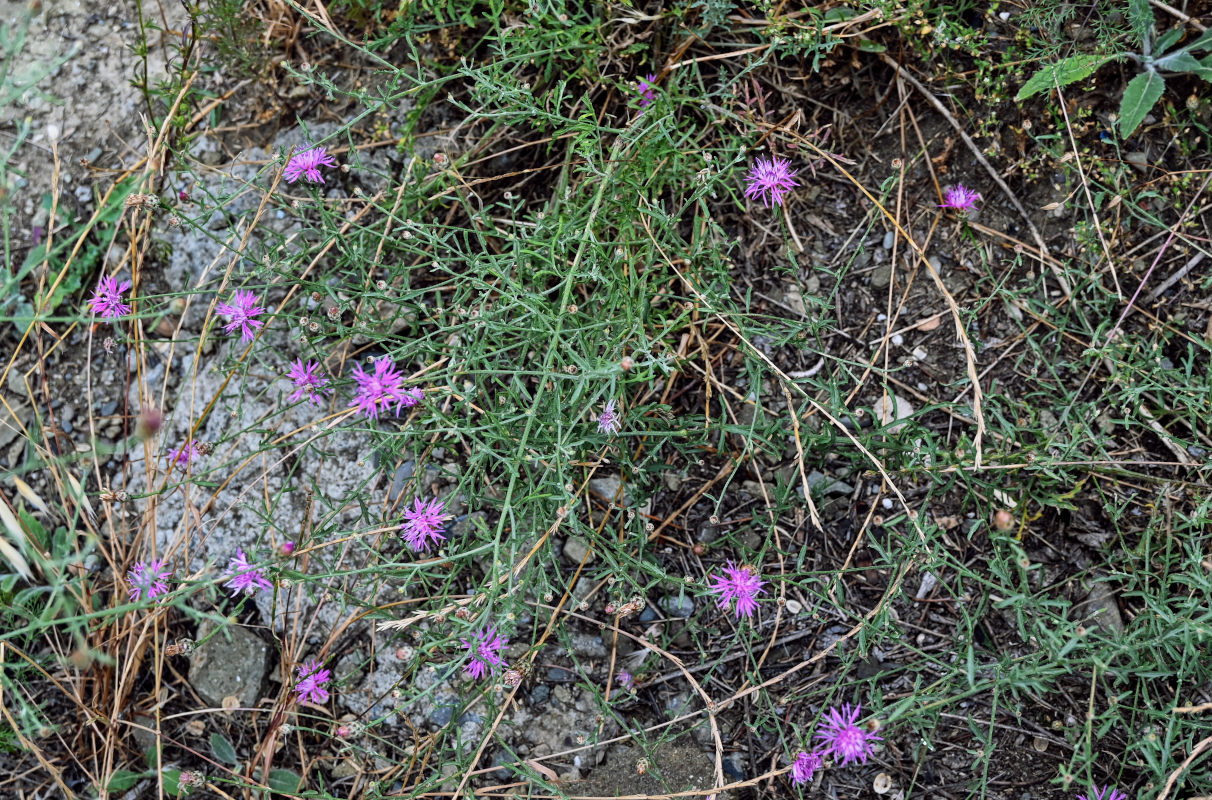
{"x":1168,"y":39}
{"x":222,"y":749}
{"x":1202,"y":43}
{"x":283,"y":780}
{"x":1062,"y":73}
{"x":1205,"y":69}
{"x":1180,"y":61}
{"x":172,"y":782}
{"x":122,"y":780}
{"x":1141,"y":93}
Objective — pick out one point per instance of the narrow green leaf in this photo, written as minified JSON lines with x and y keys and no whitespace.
{"x":1204,"y":42}
{"x":1062,"y":73}
{"x":283,"y":780}
{"x":1141,"y":93}
{"x":121,"y":780}
{"x":222,"y":749}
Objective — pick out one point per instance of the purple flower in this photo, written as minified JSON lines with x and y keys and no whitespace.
{"x":148,"y":580}
{"x":647,"y":90}
{"x":1106,"y":793}
{"x":960,"y":198}
{"x":241,"y":312}
{"x":610,"y":420}
{"x":770,"y":179}
{"x":184,"y":454}
{"x":308,"y":382}
{"x":307,"y":165}
{"x":312,"y":678}
{"x":379,"y":389}
{"x":485,"y":650}
{"x":625,"y":680}
{"x":843,"y":738}
{"x":244,"y":576}
{"x":107,"y":298}
{"x":424,"y":521}
{"x":805,"y":766}
{"x":741,"y":585}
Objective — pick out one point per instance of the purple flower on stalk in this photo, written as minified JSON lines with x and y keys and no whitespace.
{"x":625,"y":680}
{"x":307,"y":165}
{"x":424,"y":521}
{"x":770,"y":179}
{"x":843,"y":738}
{"x":241,"y":313}
{"x":148,"y":580}
{"x":1106,"y":793}
{"x":484,"y":648}
{"x":308,"y":382}
{"x":610,"y":420}
{"x":107,"y":298}
{"x":312,"y":678}
{"x":647,"y":90}
{"x":805,"y":766}
{"x":380,"y":388}
{"x":244,"y":576}
{"x":184,"y":454}
{"x":739,"y":584}
{"x":960,"y":198}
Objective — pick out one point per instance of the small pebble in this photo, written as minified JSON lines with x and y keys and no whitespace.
{"x":898,"y":340}
{"x":889,"y":239}
{"x":794,"y":606}
{"x":919,"y":353}
{"x":887,"y":503}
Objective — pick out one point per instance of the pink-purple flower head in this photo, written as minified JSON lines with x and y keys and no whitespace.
{"x":739,"y":584}
{"x":242,"y":313}
{"x":1105,"y":793}
{"x":423,"y":523}
{"x":770,"y":179}
{"x":184,"y":454}
{"x":245,"y":578}
{"x":805,"y":766}
{"x":308,"y":382}
{"x":484,"y":651}
{"x":306,"y":164}
{"x":647,"y":90}
{"x":381,"y":388}
{"x":960,"y":198}
{"x":311,"y":679}
{"x":148,"y":580}
{"x":842,"y":737}
{"x":625,"y":680}
{"x":610,"y":420}
{"x":107,"y":299}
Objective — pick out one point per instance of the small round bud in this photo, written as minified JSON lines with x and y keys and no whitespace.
{"x":626,"y":363}
{"x":1003,"y":520}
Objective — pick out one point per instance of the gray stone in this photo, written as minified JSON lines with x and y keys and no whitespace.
{"x":889,"y":239}
{"x":608,"y":488}
{"x":231,"y":663}
{"x":881,"y":276}
{"x":576,"y":550}
{"x":589,"y":645}
{"x":1101,"y":609}
{"x":677,"y":605}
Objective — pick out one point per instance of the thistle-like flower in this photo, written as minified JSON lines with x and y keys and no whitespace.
{"x":770,"y":179}
{"x":1105,"y":793}
{"x":739,"y":584}
{"x":107,"y":298}
{"x":625,"y":679}
{"x":244,"y":576}
{"x":610,"y":420}
{"x":960,"y":198}
{"x":484,"y":649}
{"x":312,"y":677}
{"x":184,"y":454}
{"x":148,"y":580}
{"x":242,"y":313}
{"x":841,"y":736}
{"x":805,"y":766}
{"x":377,"y":390}
{"x":423,"y":523}
{"x":307,"y":165}
{"x":647,"y":90}
{"x":308,"y":382}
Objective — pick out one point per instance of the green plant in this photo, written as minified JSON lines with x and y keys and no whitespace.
{"x":1157,"y":56}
